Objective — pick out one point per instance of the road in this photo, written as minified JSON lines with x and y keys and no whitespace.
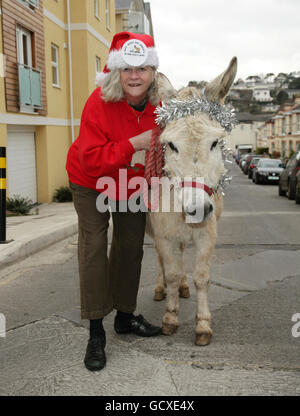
{"x":254,"y":293}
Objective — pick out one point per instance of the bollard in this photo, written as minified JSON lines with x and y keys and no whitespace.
{"x":3,"y":196}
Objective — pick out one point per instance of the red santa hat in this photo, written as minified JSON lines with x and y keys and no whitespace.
{"x":129,"y":49}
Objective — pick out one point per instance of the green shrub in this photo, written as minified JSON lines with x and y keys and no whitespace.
{"x":19,"y":205}
{"x":63,"y":194}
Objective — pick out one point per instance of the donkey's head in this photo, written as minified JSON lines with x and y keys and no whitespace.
{"x":192,"y":142}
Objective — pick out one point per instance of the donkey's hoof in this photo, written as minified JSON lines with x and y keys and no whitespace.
{"x":169,"y":329}
{"x":159,"y":295}
{"x":203,"y":339}
{"x":184,"y":292}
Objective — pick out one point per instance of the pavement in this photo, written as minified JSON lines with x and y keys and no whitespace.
{"x":252,"y":351}
{"x":46,"y":224}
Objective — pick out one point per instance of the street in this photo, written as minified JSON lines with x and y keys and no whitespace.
{"x":254,"y":293}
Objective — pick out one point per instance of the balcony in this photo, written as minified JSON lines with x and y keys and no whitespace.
{"x":30,"y":89}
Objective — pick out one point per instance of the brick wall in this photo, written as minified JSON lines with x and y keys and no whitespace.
{"x":15,"y":14}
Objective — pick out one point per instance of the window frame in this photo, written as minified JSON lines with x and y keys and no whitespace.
{"x":107,"y":14}
{"x":55,"y":65}
{"x":98,"y":64}
{"x":96,"y":9}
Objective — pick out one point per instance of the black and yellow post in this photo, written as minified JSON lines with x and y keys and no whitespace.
{"x":3,"y":196}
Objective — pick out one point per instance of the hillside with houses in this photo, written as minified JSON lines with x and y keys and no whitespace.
{"x":268,"y":110}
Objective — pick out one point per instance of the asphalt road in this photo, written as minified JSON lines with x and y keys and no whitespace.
{"x":254,"y":294}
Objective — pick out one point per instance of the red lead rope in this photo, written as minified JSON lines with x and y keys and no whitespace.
{"x":154,"y":159}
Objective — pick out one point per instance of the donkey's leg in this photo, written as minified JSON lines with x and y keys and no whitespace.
{"x":170,"y":255}
{"x":160,"y":292}
{"x":184,"y":290}
{"x":205,"y":246}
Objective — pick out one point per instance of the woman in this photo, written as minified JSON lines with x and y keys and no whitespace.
{"x":117,"y":121}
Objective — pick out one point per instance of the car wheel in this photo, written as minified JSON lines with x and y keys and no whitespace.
{"x":256,"y":180}
{"x":291,"y":191}
{"x":297,"y":194}
{"x":280,"y":191}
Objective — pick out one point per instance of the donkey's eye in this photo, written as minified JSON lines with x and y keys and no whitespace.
{"x":214,"y":145}
{"x":174,"y":148}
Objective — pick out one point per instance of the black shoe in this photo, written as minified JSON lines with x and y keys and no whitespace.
{"x":136,"y":325}
{"x":95,"y":358}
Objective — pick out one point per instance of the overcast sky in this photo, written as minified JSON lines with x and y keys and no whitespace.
{"x":196,"y":39}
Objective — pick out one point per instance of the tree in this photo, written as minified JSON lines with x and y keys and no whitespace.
{"x":281,"y":98}
{"x":295,"y":84}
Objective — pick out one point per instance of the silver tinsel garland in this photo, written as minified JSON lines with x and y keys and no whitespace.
{"x":225,"y":116}
{"x":176,"y":109}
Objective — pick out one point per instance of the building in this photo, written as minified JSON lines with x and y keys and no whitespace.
{"x":52,"y":51}
{"x":262,"y":94}
{"x":284,"y":130}
{"x":246,"y":132}
{"x":134,"y":16}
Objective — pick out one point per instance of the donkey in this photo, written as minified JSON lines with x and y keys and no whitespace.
{"x":192,"y":150}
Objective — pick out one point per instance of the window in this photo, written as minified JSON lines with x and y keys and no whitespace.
{"x":54,"y":65}
{"x":107,"y":14}
{"x":98,"y":64}
{"x":24,"y":47}
{"x":30,"y":3}
{"x":283,"y":126}
{"x":290,"y":124}
{"x":273,"y":129}
{"x":298,"y":122}
{"x":96,"y":8}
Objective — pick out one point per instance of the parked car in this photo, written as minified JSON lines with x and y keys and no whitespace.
{"x":287,"y":180}
{"x":246,"y":165}
{"x":254,"y":161}
{"x":297,"y":193}
{"x":267,"y":171}
{"x":243,"y":161}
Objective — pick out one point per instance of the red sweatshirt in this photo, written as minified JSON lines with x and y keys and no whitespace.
{"x":103,"y":147}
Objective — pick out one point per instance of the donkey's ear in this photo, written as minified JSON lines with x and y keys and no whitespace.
{"x":217,"y":89}
{"x":166,"y":91}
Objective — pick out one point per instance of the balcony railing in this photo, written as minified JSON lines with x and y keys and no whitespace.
{"x":30,"y":89}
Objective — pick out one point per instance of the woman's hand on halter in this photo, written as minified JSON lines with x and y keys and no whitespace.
{"x":142,"y":141}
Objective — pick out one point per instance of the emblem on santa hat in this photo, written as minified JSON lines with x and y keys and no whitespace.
{"x":129,"y":49}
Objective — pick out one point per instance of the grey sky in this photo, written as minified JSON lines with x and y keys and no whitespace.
{"x":197,"y":38}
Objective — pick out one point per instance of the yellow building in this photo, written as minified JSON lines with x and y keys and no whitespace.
{"x":52,"y":51}
{"x":283,"y":130}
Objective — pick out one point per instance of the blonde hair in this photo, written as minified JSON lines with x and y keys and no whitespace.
{"x":112,"y":90}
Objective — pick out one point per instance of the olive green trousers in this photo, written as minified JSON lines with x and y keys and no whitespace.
{"x":107,"y":282}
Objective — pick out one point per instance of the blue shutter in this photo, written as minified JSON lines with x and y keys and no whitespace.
{"x":36,"y":89}
{"x":24,"y":86}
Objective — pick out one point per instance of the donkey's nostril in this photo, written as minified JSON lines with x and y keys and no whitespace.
{"x":192,"y":212}
{"x":210,"y":208}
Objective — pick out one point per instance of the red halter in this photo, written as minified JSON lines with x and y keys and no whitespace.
{"x":199,"y":185}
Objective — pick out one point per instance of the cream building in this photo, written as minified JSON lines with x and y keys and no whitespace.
{"x":52,"y":49}
{"x":283,"y":130}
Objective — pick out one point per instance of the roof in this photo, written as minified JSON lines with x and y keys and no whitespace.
{"x":244,"y":117}
{"x":122,"y":4}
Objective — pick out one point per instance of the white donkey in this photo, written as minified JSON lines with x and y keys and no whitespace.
{"x":193,"y":149}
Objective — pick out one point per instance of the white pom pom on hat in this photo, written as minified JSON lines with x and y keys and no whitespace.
{"x":129,"y":49}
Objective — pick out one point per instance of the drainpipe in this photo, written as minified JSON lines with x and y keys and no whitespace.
{"x":70,"y":70}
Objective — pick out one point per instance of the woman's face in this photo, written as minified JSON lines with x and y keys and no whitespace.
{"x":135,"y":83}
